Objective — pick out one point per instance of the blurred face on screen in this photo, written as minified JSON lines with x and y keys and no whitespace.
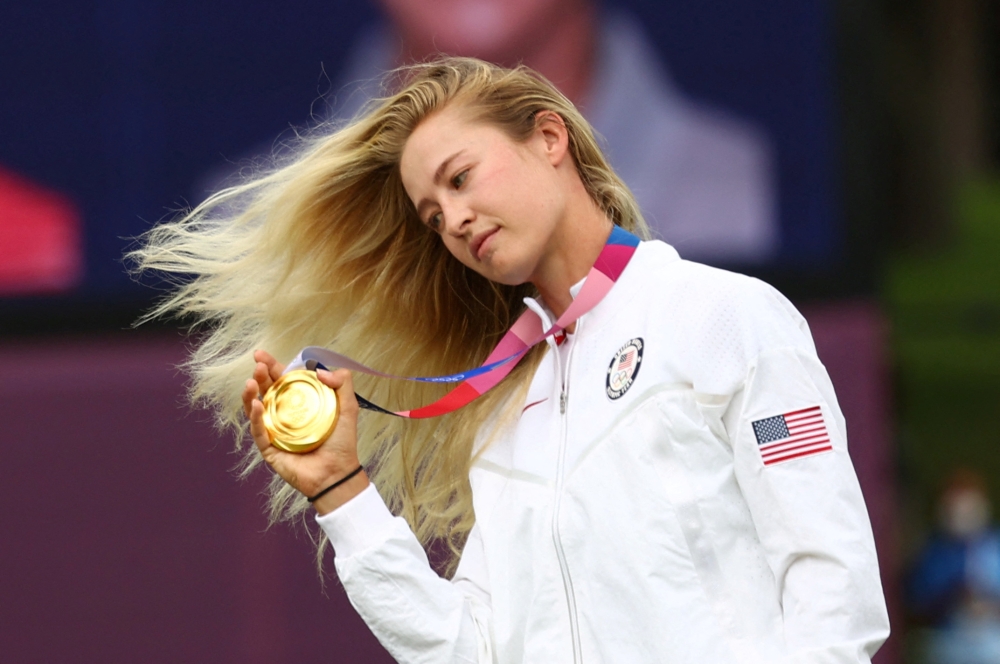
{"x":501,"y":31}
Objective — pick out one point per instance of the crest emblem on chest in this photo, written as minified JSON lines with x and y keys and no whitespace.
{"x":624,"y":368}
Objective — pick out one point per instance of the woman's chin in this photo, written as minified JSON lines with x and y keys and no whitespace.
{"x":506,"y":274}
{"x":494,"y":266}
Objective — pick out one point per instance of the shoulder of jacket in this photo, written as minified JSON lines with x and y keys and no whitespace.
{"x":696,"y":293}
{"x":703,"y":284}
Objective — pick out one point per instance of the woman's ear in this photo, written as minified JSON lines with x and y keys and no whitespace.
{"x":551,"y":129}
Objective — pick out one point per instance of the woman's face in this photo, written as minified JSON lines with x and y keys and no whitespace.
{"x":495,"y":202}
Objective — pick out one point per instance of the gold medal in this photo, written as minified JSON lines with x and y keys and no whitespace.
{"x":300,"y":412}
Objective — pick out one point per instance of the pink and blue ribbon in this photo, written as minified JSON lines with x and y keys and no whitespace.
{"x":525,"y":333}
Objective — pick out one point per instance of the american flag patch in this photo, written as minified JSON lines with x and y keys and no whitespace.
{"x":793,"y":435}
{"x":626,"y":360}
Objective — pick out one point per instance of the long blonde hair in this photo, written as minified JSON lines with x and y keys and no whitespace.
{"x":326,"y":249}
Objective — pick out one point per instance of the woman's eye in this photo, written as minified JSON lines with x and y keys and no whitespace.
{"x":435,"y":222}
{"x":457,"y":181}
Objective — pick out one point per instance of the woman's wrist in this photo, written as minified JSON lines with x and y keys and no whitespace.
{"x":346,"y":489}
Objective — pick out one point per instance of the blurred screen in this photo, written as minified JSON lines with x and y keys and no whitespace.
{"x":720,"y":116}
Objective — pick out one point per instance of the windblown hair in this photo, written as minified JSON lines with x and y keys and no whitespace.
{"x":326,"y":249}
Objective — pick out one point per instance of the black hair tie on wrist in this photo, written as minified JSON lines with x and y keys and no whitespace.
{"x":335,"y":484}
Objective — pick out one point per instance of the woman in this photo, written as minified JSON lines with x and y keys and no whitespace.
{"x":668,"y":480}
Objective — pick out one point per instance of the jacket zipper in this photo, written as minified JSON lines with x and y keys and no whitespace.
{"x":560,"y":469}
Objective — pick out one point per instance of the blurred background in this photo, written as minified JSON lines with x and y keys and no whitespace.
{"x":847,"y":152}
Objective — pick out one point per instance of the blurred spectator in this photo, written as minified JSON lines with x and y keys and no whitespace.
{"x":704,"y":179}
{"x":955,"y":586}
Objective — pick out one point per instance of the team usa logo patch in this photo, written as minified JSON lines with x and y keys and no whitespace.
{"x":624,"y":368}
{"x":800,"y":433}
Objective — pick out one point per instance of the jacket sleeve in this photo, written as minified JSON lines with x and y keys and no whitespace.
{"x":791,"y":462}
{"x":415,"y":614}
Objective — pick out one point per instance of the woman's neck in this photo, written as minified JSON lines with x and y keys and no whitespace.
{"x":575,"y":246}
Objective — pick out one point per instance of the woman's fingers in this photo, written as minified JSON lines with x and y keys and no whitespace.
{"x":266,"y":370}
{"x":334,"y":379}
{"x":274,"y":368}
{"x":254,"y":410}
{"x":262,"y":375}
{"x":257,"y":430}
{"x":250,"y":393}
{"x":341,"y":381}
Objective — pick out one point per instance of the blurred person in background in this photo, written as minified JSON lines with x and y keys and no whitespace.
{"x":955,"y":585}
{"x":703,"y":178}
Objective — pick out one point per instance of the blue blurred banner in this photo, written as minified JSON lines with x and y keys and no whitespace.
{"x":126,"y":109}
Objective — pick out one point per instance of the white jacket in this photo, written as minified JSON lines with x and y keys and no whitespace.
{"x":636,"y":521}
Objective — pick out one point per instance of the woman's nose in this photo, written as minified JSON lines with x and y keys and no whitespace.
{"x":457,"y":217}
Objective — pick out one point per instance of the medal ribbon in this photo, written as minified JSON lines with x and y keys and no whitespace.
{"x":519,"y":339}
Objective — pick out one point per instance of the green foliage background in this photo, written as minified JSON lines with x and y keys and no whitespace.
{"x":944,"y":304}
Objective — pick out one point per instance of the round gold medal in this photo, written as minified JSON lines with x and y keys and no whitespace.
{"x":300,"y":412}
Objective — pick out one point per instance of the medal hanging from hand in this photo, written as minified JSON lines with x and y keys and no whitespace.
{"x":298,"y":419}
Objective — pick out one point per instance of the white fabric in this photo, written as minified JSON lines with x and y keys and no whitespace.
{"x":644,"y":529}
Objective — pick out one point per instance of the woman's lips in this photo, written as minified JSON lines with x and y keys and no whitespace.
{"x":480,"y":243}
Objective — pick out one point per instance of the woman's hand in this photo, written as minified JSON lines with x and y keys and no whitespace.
{"x":314,"y":471}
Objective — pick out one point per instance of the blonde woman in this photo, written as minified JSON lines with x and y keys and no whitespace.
{"x":664,"y":477}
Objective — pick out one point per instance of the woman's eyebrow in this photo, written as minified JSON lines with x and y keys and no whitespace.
{"x":438,"y":174}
